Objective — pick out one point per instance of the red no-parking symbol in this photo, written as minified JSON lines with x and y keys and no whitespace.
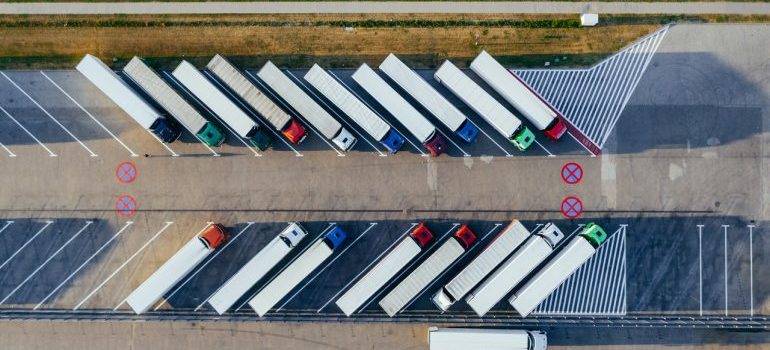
{"x":571,"y":173}
{"x":571,"y":207}
{"x":125,"y":205}
{"x":126,"y":172}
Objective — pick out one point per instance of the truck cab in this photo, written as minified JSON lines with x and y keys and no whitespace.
{"x":594,"y":234}
{"x":522,"y":138}
{"x":467,"y":131}
{"x":259,"y":139}
{"x":294,"y":131}
{"x":166,"y":130}
{"x":556,"y":129}
{"x":551,"y":234}
{"x":293,"y":234}
{"x":435,"y":145}
{"x":212,"y":134}
{"x":214,"y":235}
{"x":335,"y":237}
{"x":422,"y":235}
{"x":393,"y":141}
{"x":344,"y":140}
{"x":465,"y":236}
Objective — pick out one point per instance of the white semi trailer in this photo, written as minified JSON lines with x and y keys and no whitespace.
{"x":173,"y":103}
{"x":176,"y":268}
{"x":354,"y":108}
{"x":389,"y":266}
{"x":485,"y":339}
{"x":511,"y":272}
{"x":128,"y":100}
{"x":195,"y":82}
{"x":429,"y":98}
{"x":519,"y":95}
{"x":485,"y":105}
{"x":399,"y":108}
{"x":306,"y":106}
{"x":256,"y":99}
{"x":482,"y":265}
{"x":298,"y":270}
{"x":427,"y":271}
{"x":254,"y":270}
{"x":556,"y":271}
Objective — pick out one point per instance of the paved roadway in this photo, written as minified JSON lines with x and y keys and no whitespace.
{"x":387,"y":7}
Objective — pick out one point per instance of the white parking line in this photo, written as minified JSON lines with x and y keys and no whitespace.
{"x":331,"y":225}
{"x":430,"y":285}
{"x":490,"y":138}
{"x":339,"y":117}
{"x":371,"y":225}
{"x":10,"y":154}
{"x":50,"y":153}
{"x":200,"y":103}
{"x":49,"y":115}
{"x":409,"y":267}
{"x":47,"y":223}
{"x":288,"y":108}
{"x":7,"y":223}
{"x":377,"y":113}
{"x":725,"y":227}
{"x":249,"y":111}
{"x":751,"y":268}
{"x":133,"y":154}
{"x":128,"y":223}
{"x":200,"y":268}
{"x":367,"y":266}
{"x":700,"y":267}
{"x":168,"y":223}
{"x":544,"y":149}
{"x":88,"y":223}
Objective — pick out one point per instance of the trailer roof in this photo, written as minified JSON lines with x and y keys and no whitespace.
{"x":425,"y":94}
{"x":347,"y":102}
{"x":166,"y":97}
{"x":299,"y":100}
{"x":244,"y":88}
{"x":479,"y":100}
{"x":118,"y":91}
{"x":215,"y":99}
{"x":396,"y":105}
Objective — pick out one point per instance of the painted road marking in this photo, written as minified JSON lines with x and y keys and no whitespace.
{"x":571,"y":173}
{"x":10,"y":154}
{"x":544,"y":149}
{"x":571,"y":207}
{"x":49,"y":115}
{"x":125,"y":205}
{"x":371,"y":225}
{"x":133,"y":154}
{"x":397,"y":279}
{"x":293,"y":111}
{"x":367,"y":266}
{"x":128,"y":223}
{"x":88,"y":223}
{"x":126,"y":172}
{"x":700,"y":267}
{"x":7,"y":223}
{"x":200,"y":268}
{"x":490,"y":138}
{"x":47,"y":223}
{"x":751,"y":268}
{"x":50,"y":153}
{"x":378,"y":113}
{"x":253,"y":115}
{"x":725,"y":228}
{"x":168,"y":223}
{"x":467,"y":252}
{"x":339,"y":117}
{"x":331,"y":225}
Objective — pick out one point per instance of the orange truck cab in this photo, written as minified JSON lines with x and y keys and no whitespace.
{"x":214,"y":235}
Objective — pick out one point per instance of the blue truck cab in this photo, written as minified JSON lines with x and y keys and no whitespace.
{"x":335,"y":237}
{"x":166,"y":130}
{"x":467,"y":131}
{"x":393,"y":141}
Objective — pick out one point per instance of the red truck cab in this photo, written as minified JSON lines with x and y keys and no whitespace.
{"x":295,"y":132}
{"x":435,"y":145}
{"x":214,"y":235}
{"x":465,"y":236}
{"x":422,"y":235}
{"x":556,"y":130}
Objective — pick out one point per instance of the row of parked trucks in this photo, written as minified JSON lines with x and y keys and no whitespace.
{"x":515,"y":263}
{"x":250,"y":114}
